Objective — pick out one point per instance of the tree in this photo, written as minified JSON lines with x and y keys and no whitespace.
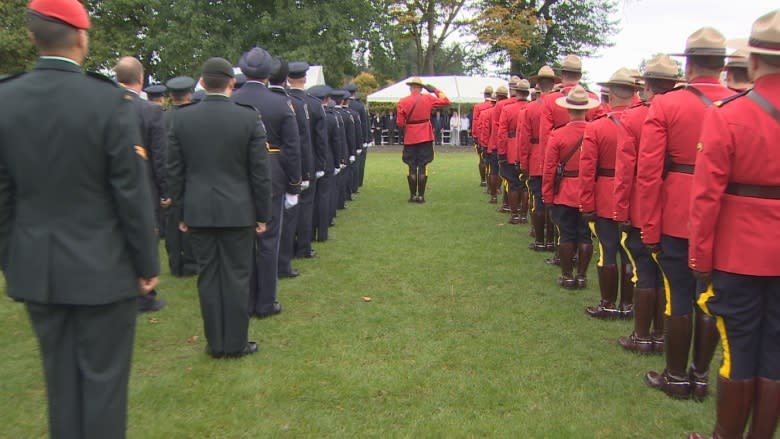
{"x":427,"y":23}
{"x":532,"y":33}
{"x":17,"y":54}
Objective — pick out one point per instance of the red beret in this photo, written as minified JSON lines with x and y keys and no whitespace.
{"x":70,"y":12}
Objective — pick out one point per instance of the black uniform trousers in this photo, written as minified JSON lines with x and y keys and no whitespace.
{"x":322,"y":211}
{"x":679,"y":283}
{"x":262,"y":295}
{"x":341,"y":192}
{"x":86,"y":352}
{"x":355,"y":180}
{"x":511,"y":176}
{"x":646,"y":271}
{"x":607,"y":233}
{"x":571,"y":225}
{"x":287,"y":239}
{"x":535,"y":187}
{"x":362,"y":160}
{"x":304,"y":231}
{"x":181,"y":258}
{"x":225,"y":268}
{"x":747,"y":311}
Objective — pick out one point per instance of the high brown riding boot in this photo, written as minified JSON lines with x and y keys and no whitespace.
{"x":584,"y":254}
{"x":735,"y":399}
{"x":422,"y":180}
{"x":493,"y":188}
{"x":537,"y":220}
{"x":606,"y":309}
{"x":766,"y":408}
{"x":644,"y":306}
{"x":514,"y":206}
{"x":504,"y":203}
{"x":549,"y":229}
{"x":658,"y":320}
{"x":482,"y":180}
{"x":626,"y":292}
{"x":412,"y":179}
{"x":566,"y":279}
{"x":523,"y":207}
{"x":674,"y":380}
{"x":705,"y":340}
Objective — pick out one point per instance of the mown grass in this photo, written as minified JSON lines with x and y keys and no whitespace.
{"x":466,"y":335}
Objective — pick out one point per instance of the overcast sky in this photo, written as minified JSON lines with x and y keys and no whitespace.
{"x":652,"y":26}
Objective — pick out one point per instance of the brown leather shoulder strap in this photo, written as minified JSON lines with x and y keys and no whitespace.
{"x":614,"y":119}
{"x":416,"y":101}
{"x":765,"y":105}
{"x":572,"y":151}
{"x":704,"y":99}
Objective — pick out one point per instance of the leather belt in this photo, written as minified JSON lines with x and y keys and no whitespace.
{"x":534,"y":140}
{"x":571,"y":173}
{"x":415,"y":122}
{"x":603,"y":172}
{"x":682,"y":169}
{"x":511,"y":135}
{"x":754,"y":191}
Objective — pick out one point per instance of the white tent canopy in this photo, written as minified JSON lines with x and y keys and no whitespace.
{"x":460,"y":89}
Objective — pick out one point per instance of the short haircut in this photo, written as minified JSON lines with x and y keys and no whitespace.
{"x":622,"y":92}
{"x":740,"y":74}
{"x":577,"y":113}
{"x":659,"y":86}
{"x":523,"y":93}
{"x":546,"y":84}
{"x":129,"y":71}
{"x":707,"y":62}
{"x":50,"y":34}
{"x":215,"y":83}
{"x":770,"y":60}
{"x":180,"y":95}
{"x":570,"y":76}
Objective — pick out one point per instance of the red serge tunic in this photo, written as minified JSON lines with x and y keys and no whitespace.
{"x":597,"y":164}
{"x":495,"y":116}
{"x":507,"y":131}
{"x":561,"y":142}
{"x":475,"y":112}
{"x":739,"y":144}
{"x":672,"y":129}
{"x":626,"y":199}
{"x":531,"y":154}
{"x":417,"y":126}
{"x":554,"y":116}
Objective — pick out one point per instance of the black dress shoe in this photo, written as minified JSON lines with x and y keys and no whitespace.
{"x":290,"y":275}
{"x":250,"y":348}
{"x":153,"y":305}
{"x":332,"y":223}
{"x":275,"y":309}
{"x":214,"y":354}
{"x":308,"y":255}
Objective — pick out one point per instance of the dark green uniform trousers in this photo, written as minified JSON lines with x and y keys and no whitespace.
{"x":224,"y":258}
{"x":86,"y":353}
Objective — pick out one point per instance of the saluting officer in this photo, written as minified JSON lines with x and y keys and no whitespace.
{"x":532,"y":157}
{"x":560,"y":187}
{"x":667,"y":153}
{"x":77,"y":238}
{"x":283,"y":146}
{"x":221,"y":182}
{"x":735,"y":228}
{"x":130,"y":74}
{"x":414,"y":116}
{"x":597,"y":186}
{"x":649,"y":297}
{"x":181,"y":259}
{"x":475,"y":112}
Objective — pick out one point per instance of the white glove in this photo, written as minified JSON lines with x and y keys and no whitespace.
{"x":336,"y":171}
{"x":305,"y":185}
{"x":352,"y":159}
{"x":290,"y":201}
{"x":342,"y":166}
{"x":359,"y":151}
{"x":370,"y":144}
{"x":319,"y":174}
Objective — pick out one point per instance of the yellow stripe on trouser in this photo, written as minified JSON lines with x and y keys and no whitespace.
{"x":505,"y":184}
{"x":725,"y":368}
{"x":425,"y":170}
{"x":667,"y":287}
{"x":592,"y":226}
{"x":531,"y":195}
{"x":557,"y":234}
{"x":623,"y":241}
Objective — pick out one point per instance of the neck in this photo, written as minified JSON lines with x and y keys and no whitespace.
{"x":71,"y":55}
{"x":134,"y":87}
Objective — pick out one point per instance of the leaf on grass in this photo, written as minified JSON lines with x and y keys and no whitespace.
{"x":153,"y":320}
{"x":188,"y":370}
{"x":192,"y":339}
{"x":366,"y":299}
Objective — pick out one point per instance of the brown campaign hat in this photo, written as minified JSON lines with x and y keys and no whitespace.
{"x":488,"y":90}
{"x":577,"y":99}
{"x":523,"y":85}
{"x":706,"y":41}
{"x":738,"y":60}
{"x":545,"y":72}
{"x":571,"y":63}
{"x":661,"y":67}
{"x":415,"y":81}
{"x":622,"y":77}
{"x":513,"y":82}
{"x":764,"y":36}
{"x":502,"y":91}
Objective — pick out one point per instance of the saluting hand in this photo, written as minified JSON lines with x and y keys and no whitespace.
{"x":145,"y":286}
{"x":260,"y":228}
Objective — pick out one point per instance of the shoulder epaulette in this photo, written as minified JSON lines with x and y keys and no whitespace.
{"x":731,"y":98}
{"x":247,"y":106}
{"x":640,"y":104}
{"x":7,"y":78}
{"x":102,"y":77}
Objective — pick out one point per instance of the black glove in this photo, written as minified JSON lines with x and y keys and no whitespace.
{"x":705,"y":278}
{"x":624,"y":227}
{"x":429,"y":88}
{"x":589,"y":217}
{"x":654,"y":248}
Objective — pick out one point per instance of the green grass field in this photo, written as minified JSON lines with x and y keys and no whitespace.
{"x":466,"y":336}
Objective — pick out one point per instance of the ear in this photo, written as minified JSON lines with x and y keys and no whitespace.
{"x":753,"y":66}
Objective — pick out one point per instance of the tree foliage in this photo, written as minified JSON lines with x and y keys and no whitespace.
{"x":16,"y":52}
{"x":531,"y":33}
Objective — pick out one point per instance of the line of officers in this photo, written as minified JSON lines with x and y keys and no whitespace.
{"x":316,"y":142}
{"x":679,"y":178}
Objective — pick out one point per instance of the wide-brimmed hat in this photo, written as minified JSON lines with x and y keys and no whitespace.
{"x":523,"y":85}
{"x":622,"y":77}
{"x":513,"y":80}
{"x":502,"y":91}
{"x":571,"y":63}
{"x":738,"y":59}
{"x":661,"y":67}
{"x":546,"y":72}
{"x":415,"y":81}
{"x":488,"y":90}
{"x":764,"y":36}
{"x":706,"y":41}
{"x":577,"y":99}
